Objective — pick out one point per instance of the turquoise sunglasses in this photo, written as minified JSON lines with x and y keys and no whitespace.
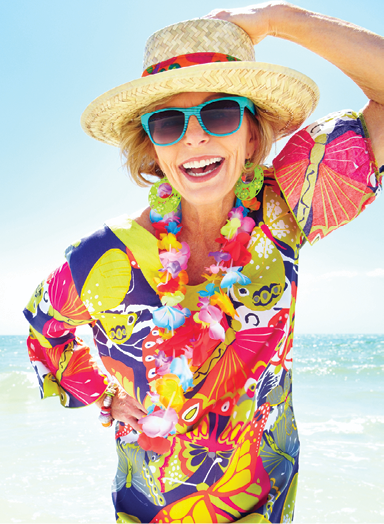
{"x":218,"y":117}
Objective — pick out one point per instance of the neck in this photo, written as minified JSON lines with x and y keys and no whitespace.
{"x":201,"y":228}
{"x":202,"y":223}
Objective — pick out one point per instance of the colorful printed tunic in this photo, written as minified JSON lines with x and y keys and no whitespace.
{"x":235,"y":452}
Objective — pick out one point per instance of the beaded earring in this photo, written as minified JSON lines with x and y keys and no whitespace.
{"x":163,"y":198}
{"x":247,"y":190}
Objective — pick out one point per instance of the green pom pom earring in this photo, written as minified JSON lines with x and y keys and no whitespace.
{"x":247,"y":190}
{"x":163,"y":198}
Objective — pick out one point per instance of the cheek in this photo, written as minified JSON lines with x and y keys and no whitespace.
{"x":165,"y":157}
{"x":169,"y":168}
{"x":238,"y":154}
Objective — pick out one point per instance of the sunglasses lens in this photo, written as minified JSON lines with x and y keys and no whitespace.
{"x":166,"y":127}
{"x":221,"y":117}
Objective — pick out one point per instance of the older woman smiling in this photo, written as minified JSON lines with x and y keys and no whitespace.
{"x":192,"y":303}
{"x":204,"y":169}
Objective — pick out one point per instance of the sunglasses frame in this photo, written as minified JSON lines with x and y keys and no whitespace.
{"x":195,"y":110}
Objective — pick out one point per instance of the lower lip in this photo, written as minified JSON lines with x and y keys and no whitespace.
{"x":202,"y":178}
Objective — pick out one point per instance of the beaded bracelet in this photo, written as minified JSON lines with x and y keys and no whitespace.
{"x":105,"y":416}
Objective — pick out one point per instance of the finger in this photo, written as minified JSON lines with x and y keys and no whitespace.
{"x":217,"y":13}
{"x":134,"y":424}
{"x":123,"y":400}
{"x":136,"y":404}
{"x":135,"y":411}
{"x":126,"y":406}
{"x":128,"y":419}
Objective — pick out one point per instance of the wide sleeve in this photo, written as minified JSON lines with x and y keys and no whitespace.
{"x":328,"y":173}
{"x":62,"y":361}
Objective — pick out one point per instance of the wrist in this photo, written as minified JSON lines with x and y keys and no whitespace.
{"x":106,"y":400}
{"x":99,"y":401}
{"x":282,"y":19}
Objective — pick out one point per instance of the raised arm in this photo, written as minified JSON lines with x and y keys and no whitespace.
{"x":355,"y":51}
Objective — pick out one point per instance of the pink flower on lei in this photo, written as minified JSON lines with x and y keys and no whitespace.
{"x":214,"y":269}
{"x":247,"y":223}
{"x":181,"y":256}
{"x":159,"y":423}
{"x":212,"y":315}
{"x":162,"y":363}
{"x":236,"y":212}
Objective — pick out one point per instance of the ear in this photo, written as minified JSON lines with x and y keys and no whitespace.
{"x":251,"y":145}
{"x":155,"y":157}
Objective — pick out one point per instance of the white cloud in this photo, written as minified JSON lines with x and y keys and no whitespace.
{"x":343,"y":274}
{"x":378,"y":272}
{"x":338,"y":274}
{"x":313,"y":277}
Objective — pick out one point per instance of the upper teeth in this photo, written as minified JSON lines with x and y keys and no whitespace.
{"x":201,"y":163}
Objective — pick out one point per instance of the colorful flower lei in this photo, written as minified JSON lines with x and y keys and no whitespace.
{"x":184,"y":350}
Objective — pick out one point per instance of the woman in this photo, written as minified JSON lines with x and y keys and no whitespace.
{"x":192,"y":303}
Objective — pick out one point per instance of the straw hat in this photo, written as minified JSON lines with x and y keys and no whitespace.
{"x":203,"y":55}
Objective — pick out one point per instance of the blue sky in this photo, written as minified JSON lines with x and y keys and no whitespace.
{"x":59,"y":184}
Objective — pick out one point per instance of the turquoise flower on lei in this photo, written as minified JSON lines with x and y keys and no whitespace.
{"x":168,"y":317}
{"x":234,"y":276}
{"x":210,"y":290}
{"x":179,"y":366}
{"x":172,"y":227}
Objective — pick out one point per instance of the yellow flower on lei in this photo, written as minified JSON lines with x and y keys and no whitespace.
{"x":168,"y":241}
{"x":172,"y":299}
{"x":222,"y":300}
{"x":165,"y":333}
{"x":170,"y":390}
{"x":230,"y":228}
{"x":215,"y":278}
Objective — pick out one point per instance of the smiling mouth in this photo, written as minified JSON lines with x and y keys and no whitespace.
{"x":200,"y":168}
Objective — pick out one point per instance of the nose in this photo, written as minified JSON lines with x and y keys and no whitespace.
{"x":195,"y":134}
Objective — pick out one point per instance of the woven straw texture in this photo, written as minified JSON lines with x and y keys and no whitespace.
{"x":198,"y":36}
{"x":283,"y":92}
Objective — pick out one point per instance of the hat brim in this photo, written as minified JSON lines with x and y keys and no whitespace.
{"x":288,"y":95}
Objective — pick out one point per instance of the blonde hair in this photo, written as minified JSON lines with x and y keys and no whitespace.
{"x":139,"y":154}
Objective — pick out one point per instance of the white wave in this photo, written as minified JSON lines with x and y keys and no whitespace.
{"x":26,"y":377}
{"x":353,"y":426}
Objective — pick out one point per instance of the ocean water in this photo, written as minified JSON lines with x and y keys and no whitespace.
{"x":57,"y":465}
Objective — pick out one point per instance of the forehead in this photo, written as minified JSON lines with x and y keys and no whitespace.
{"x":190,"y":99}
